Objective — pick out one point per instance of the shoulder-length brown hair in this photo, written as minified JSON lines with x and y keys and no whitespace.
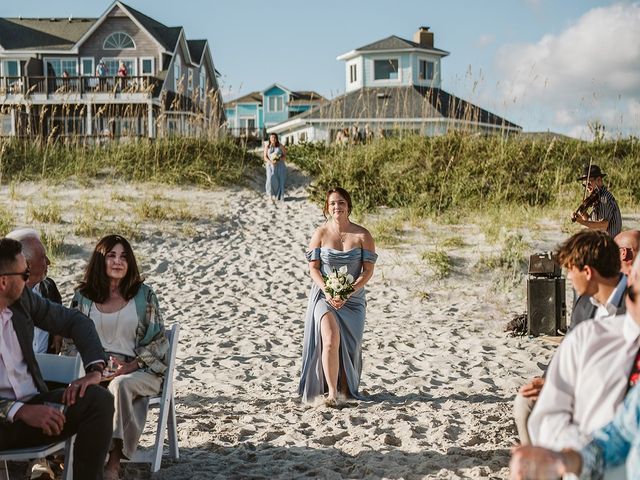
{"x":95,"y":284}
{"x":344,"y":194}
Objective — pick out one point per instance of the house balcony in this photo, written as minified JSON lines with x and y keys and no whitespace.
{"x":51,"y":90}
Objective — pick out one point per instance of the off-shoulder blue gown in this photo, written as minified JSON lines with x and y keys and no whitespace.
{"x":350,"y":321}
{"x":276,"y":176}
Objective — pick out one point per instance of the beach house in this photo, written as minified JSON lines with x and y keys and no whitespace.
{"x":122,"y":74}
{"x":252,"y":114}
{"x":393,"y":86}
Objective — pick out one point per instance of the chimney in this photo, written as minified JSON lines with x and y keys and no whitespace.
{"x":423,"y":37}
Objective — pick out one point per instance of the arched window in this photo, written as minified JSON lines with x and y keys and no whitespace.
{"x":118,"y":41}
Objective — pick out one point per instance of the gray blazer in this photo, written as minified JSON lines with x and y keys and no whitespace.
{"x":29,"y":310}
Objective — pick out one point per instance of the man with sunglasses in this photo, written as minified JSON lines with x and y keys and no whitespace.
{"x":605,"y":214}
{"x":609,"y":447}
{"x":25,"y":420}
{"x":587,"y":376}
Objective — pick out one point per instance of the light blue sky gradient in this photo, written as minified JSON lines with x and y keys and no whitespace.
{"x":295,"y":42}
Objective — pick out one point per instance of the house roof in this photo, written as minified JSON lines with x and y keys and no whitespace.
{"x":409,"y":102}
{"x":253,"y":97}
{"x":166,"y":36}
{"x":305,"y":96}
{"x":296,"y":98}
{"x":196,"y":49}
{"x":42,"y":33}
{"x":395,"y":43}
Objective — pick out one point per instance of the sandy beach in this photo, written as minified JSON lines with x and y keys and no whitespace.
{"x":229,"y":266}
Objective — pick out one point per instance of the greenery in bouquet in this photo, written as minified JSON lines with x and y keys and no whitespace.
{"x":339,"y":283}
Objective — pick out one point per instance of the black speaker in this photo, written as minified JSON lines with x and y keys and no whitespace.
{"x":546,"y":307}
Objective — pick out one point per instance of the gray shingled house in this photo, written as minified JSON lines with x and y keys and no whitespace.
{"x":123,"y":74}
{"x":392,"y":85}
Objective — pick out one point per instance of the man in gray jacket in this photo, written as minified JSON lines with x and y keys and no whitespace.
{"x":25,"y":420}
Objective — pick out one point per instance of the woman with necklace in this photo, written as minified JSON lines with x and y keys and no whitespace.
{"x":332,"y":357}
{"x":131,"y":329}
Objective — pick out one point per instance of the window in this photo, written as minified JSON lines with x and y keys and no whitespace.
{"x":190,"y":80}
{"x":113,"y":64}
{"x":203,"y":81}
{"x":146,"y":66}
{"x":177,"y":72}
{"x":353,"y":78}
{"x":118,"y":41}
{"x":86,"y":67}
{"x":275,"y":104}
{"x":57,"y":66}
{"x":426,"y":70}
{"x":11,"y":68}
{"x":385,"y":69}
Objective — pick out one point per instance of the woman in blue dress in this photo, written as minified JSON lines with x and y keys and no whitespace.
{"x":273,"y":156}
{"x":332,"y":357}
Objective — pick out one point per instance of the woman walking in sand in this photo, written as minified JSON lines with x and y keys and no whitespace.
{"x":340,"y":251}
{"x":274,"y":156}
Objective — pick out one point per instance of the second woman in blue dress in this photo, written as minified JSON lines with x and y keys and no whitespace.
{"x":332,"y":357}
{"x":274,"y":155}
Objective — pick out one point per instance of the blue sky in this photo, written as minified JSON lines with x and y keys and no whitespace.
{"x":545,"y":64}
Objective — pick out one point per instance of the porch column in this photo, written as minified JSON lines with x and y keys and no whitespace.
{"x":150,"y":123}
{"x":13,"y":122}
{"x":89,"y":119}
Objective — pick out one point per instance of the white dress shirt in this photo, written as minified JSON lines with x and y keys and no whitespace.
{"x":40,"y":337}
{"x":16,"y":383}
{"x":610,"y":306}
{"x":586,"y":381}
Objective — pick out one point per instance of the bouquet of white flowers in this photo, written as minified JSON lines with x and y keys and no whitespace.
{"x":339,"y":283}
{"x":275,"y":155}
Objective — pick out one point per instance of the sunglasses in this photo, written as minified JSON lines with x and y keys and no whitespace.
{"x":24,"y":275}
{"x":631,"y":293}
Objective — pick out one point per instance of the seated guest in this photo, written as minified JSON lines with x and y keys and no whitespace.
{"x":600,"y":297}
{"x":610,"y":446}
{"x":127,"y":317}
{"x":587,"y":377}
{"x":25,"y":420}
{"x":36,"y":256}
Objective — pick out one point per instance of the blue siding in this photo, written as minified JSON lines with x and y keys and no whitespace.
{"x":277,"y":116}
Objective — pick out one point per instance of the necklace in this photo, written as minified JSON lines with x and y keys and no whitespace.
{"x":342,"y":235}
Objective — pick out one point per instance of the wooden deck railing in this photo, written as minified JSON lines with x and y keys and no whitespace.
{"x":79,"y":85}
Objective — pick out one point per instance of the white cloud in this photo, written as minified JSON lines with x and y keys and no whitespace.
{"x":485,"y":40}
{"x":590,"y":70}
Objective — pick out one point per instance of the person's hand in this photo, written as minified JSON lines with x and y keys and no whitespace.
{"x":79,"y":387}
{"x":122,"y":368}
{"x":532,"y":389}
{"x":48,"y":419}
{"x":337,"y":302}
{"x":536,"y":463}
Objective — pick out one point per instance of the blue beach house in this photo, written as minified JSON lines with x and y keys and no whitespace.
{"x":256,"y":112}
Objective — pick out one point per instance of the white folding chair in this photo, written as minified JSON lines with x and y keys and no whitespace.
{"x":54,"y":368}
{"x":167,"y":413}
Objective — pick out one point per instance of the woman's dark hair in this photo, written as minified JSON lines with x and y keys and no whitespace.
{"x":343,"y":193}
{"x":95,"y":284}
{"x":277,"y":144}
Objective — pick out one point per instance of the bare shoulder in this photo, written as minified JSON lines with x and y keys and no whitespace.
{"x":366,"y":239}
{"x":318,"y":235}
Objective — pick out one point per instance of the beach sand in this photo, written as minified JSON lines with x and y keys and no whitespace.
{"x":229,"y":266}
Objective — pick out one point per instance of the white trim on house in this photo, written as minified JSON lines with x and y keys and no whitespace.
{"x":298,"y":122}
{"x":384,"y":81}
{"x":397,"y":51}
{"x":153,"y":65}
{"x":2,"y":66}
{"x":133,"y":60}
{"x":101,"y":20}
{"x":45,"y":60}
{"x":93,"y":67}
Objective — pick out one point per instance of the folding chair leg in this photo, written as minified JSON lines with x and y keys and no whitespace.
{"x":68,"y":458}
{"x":4,"y":472}
{"x":173,"y":432}
{"x":158,"y":446}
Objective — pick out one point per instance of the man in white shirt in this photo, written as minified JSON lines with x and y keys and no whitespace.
{"x":25,"y":420}
{"x":586,"y":308}
{"x":587,"y":378}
